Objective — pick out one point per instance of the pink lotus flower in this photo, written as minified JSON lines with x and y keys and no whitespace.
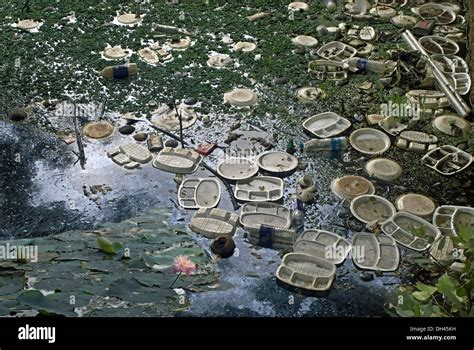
{"x":183,"y":264}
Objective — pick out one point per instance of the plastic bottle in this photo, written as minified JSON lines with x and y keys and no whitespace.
{"x":365,"y":65}
{"x":297,"y":214}
{"x":120,"y":72}
{"x":330,"y":144}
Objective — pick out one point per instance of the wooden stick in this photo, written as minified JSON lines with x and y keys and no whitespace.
{"x":80,"y":146}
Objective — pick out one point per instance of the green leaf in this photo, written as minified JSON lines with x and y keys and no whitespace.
{"x":447,"y":286}
{"x":107,"y":246}
{"x":36,"y":300}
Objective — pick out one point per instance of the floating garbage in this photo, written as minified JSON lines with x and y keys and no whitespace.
{"x":375,"y":252}
{"x":212,"y":223}
{"x":136,"y":152}
{"x":149,"y":56}
{"x":167,"y":117}
{"x":306,"y":272}
{"x":325,"y":125}
{"x":241,"y":97}
{"x":392,"y":126}
{"x":324,"y":245}
{"x":305,"y":41}
{"x":416,"y":204}
{"x":116,"y":53}
{"x":429,"y":99}
{"x":257,"y":16}
{"x":220,"y":61}
{"x":350,"y":186}
{"x":177,"y":160}
{"x":223,"y":246}
{"x":271,"y":237}
{"x":29,"y":25}
{"x":367,"y":33}
{"x":384,"y":169}
{"x":154,"y":142}
{"x":461,"y":82}
{"x":434,"y":44}
{"x":277,"y":162}
{"x":364,"y":65}
{"x":369,"y":208}
{"x":373,"y":119}
{"x":439,"y":13}
{"x":452,"y":125}
{"x":308,"y":94}
{"x":411,"y":231}
{"x":336,"y":51}
{"x":369,"y":141}
{"x":416,"y":141}
{"x":305,"y":181}
{"x":180,"y":44}
{"x":199,"y":193}
{"x":98,"y":130}
{"x":128,"y":19}
{"x":329,"y":144}
{"x":235,"y":168}
{"x":120,"y":72}
{"x":244,"y":46}
{"x":383,"y":11}
{"x":447,"y":160}
{"x":404,"y":21}
{"x":298,"y":6}
{"x":259,"y":188}
{"x":328,"y":70}
{"x":449,"y":218}
{"x":254,"y":214}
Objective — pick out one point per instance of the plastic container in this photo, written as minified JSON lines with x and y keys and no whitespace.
{"x":365,"y":65}
{"x":120,"y":72}
{"x":297,"y":214}
{"x":329,"y":144}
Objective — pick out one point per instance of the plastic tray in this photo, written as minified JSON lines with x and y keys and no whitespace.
{"x":254,"y":214}
{"x":177,"y":160}
{"x":430,"y":99}
{"x":446,"y":218}
{"x":438,"y":45}
{"x":399,"y":228}
{"x":136,"y":152}
{"x":212,"y":223}
{"x":306,"y":272}
{"x":277,"y":162}
{"x":327,"y":70}
{"x":416,"y":141}
{"x":326,"y":124}
{"x":375,"y":252}
{"x":259,"y":188}
{"x":323,"y":244}
{"x":447,"y":160}
{"x":369,"y":208}
{"x":336,"y":51}
{"x":199,"y":193}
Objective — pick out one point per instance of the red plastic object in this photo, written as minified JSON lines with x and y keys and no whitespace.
{"x":205,"y":148}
